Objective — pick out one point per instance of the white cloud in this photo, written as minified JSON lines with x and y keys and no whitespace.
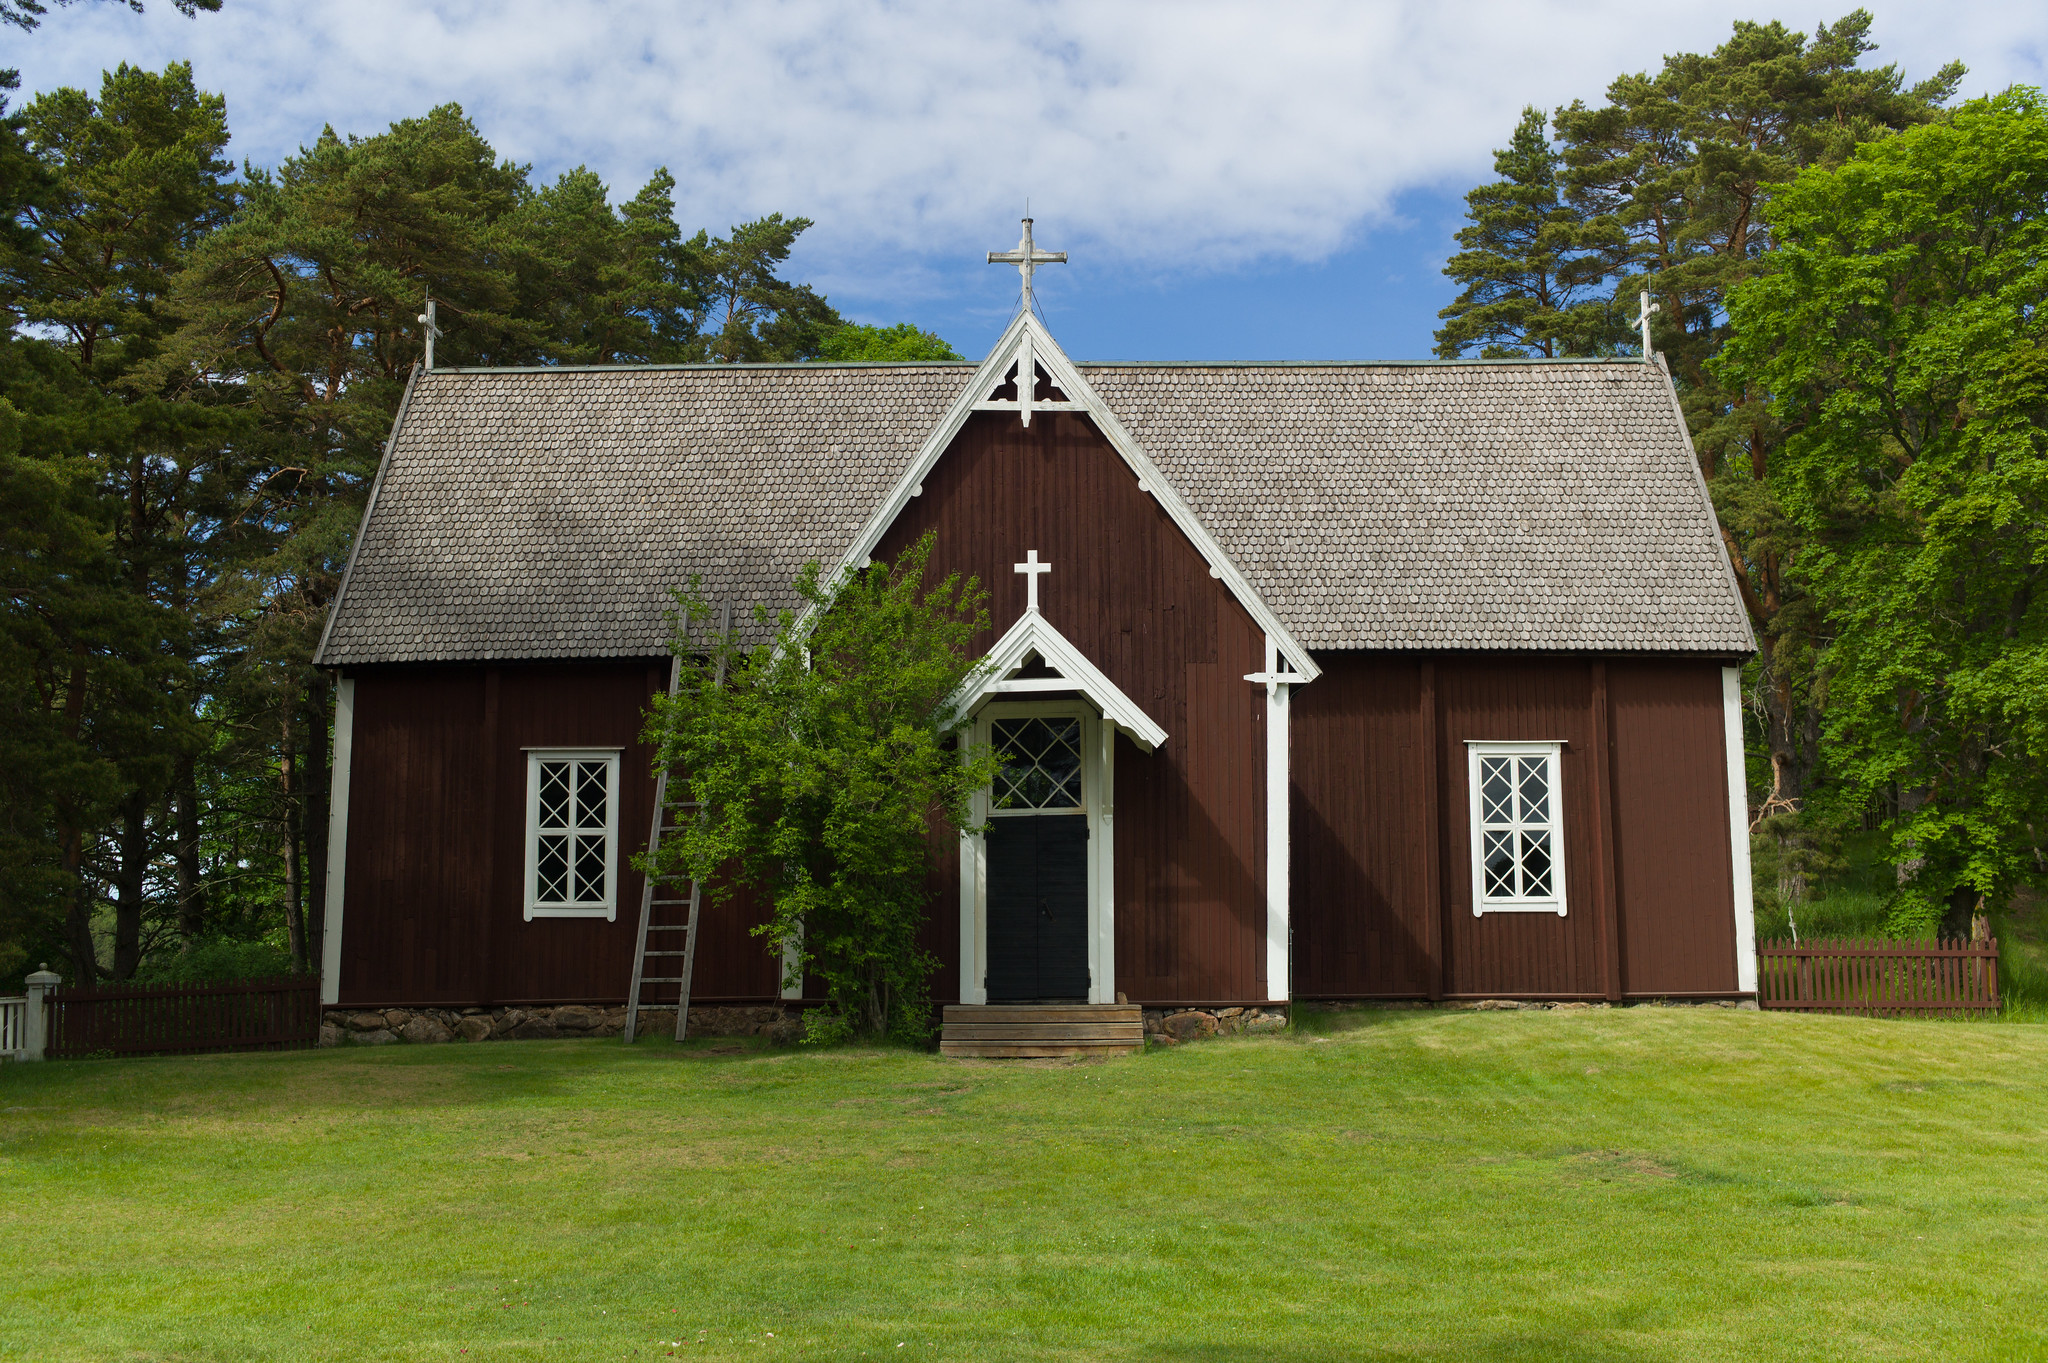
{"x":1153,"y":137}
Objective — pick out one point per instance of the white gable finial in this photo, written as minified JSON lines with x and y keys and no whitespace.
{"x":1032,"y":570}
{"x":1027,"y":258}
{"x":1643,"y":321}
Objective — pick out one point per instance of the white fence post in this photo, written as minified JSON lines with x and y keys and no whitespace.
{"x":38,"y":1038}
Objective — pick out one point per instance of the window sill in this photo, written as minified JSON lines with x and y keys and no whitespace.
{"x":1533,"y":906}
{"x":603,"y":911}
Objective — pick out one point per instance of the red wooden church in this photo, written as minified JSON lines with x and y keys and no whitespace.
{"x":1321,"y":681}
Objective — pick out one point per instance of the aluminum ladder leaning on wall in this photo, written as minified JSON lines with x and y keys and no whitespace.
{"x":650,"y":902}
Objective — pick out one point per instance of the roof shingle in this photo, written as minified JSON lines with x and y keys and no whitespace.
{"x":547,"y":514}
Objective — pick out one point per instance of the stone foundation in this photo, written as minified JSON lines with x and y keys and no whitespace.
{"x":430,"y":1026}
{"x":1171,"y":1026}
{"x":1530,"y":1005}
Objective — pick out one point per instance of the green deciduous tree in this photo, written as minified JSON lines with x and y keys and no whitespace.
{"x":1901,"y":343}
{"x":824,"y":761}
{"x":1532,"y":285}
{"x":857,"y":342}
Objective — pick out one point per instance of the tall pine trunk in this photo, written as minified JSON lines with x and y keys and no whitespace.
{"x":85,"y":966}
{"x":294,"y":881}
{"x":129,"y":884}
{"x":191,"y":886}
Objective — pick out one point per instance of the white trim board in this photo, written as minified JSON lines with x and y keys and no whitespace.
{"x":1027,"y":339}
{"x":1744,"y":899}
{"x":337,"y":841}
{"x":1279,"y":738}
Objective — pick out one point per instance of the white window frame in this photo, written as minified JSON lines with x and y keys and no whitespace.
{"x":608,"y":908}
{"x":1552,"y":752}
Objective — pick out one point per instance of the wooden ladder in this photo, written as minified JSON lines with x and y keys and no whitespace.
{"x":651,"y":901}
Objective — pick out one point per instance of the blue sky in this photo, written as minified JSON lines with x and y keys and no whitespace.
{"x":1251,"y":181}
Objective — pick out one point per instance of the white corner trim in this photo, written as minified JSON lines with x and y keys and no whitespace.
{"x":1033,"y":633}
{"x":1102,"y":960}
{"x":973,"y":885}
{"x":337,"y":840}
{"x":1738,"y":831}
{"x":1278,"y":737}
{"x":1027,"y":337}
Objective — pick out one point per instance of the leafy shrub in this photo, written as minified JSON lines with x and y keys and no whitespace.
{"x":211,"y":960}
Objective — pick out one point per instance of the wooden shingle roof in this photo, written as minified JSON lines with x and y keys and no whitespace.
{"x":1511,"y":505}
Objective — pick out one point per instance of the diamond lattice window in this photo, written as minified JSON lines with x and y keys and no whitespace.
{"x":1516,"y":829}
{"x":1041,"y":763}
{"x":572,"y":825}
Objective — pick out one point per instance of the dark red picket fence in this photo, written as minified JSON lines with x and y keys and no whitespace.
{"x":1879,"y":979}
{"x":144,"y":1019}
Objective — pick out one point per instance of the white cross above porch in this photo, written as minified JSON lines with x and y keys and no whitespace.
{"x":1032,"y":570}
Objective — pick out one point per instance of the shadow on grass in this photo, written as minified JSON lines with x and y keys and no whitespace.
{"x":1313,"y":1020}
{"x":1544,"y":1345}
{"x":367,"y":1078}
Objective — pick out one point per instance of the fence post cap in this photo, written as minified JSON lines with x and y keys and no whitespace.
{"x":45,"y":977}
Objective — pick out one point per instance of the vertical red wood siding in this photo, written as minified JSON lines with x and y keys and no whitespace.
{"x":434,"y":903}
{"x":1130,"y":591}
{"x":1359,"y":871}
{"x":1530,"y":953}
{"x":1671,"y":827}
{"x":1379,"y":896}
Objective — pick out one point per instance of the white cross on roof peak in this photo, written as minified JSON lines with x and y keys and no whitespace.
{"x":1027,"y":258}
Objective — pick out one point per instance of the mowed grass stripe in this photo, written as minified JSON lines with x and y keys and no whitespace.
{"x":1640,"y":1183}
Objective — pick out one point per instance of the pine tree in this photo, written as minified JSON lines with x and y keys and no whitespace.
{"x":1529,"y":279}
{"x":1673,"y":176}
{"x":130,"y":478}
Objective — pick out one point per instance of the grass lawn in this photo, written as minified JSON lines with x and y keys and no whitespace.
{"x":1636,"y":1184}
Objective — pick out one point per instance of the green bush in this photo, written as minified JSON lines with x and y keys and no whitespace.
{"x":212,"y":959}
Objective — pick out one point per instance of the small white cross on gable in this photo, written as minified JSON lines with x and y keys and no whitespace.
{"x":1031,"y":568}
{"x":1643,"y":321}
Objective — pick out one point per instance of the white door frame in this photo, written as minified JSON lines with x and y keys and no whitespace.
{"x":1098,"y":784}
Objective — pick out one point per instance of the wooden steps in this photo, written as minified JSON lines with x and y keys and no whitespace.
{"x":1051,"y":1029}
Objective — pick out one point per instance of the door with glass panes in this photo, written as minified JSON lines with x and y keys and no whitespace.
{"x":1036,"y":856}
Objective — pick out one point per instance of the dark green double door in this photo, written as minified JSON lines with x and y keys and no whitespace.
{"x":1038,"y":909}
